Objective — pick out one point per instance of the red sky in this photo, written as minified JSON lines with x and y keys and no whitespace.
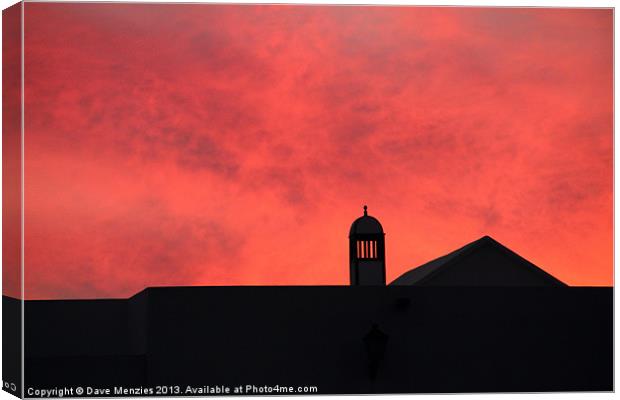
{"x":234,"y":145}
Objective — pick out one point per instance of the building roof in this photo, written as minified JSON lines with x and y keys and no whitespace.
{"x":483,"y":247}
{"x":365,"y":225}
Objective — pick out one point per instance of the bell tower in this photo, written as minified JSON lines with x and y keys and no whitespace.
{"x":367,"y":251}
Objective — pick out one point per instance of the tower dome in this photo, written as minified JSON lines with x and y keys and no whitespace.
{"x":366,"y":224}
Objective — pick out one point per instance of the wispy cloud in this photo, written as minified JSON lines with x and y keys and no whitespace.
{"x":214,"y":144}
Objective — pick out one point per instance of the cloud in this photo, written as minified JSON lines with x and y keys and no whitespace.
{"x":151,"y":130}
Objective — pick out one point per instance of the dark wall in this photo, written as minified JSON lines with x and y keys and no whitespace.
{"x":85,"y":342}
{"x":76,"y":328}
{"x":438,"y":339}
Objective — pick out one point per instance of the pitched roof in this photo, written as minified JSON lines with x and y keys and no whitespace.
{"x":426,"y":272}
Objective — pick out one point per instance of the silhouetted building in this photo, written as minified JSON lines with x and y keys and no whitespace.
{"x":352,"y":339}
{"x":474,"y":334}
{"x":484,"y":262}
{"x":367,"y":251}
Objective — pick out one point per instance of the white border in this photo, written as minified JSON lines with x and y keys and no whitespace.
{"x":479,"y":3}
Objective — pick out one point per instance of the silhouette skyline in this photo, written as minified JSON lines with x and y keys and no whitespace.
{"x":484,"y":262}
{"x":483,"y":290}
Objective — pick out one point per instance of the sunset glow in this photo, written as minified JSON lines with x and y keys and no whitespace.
{"x":234,"y":145}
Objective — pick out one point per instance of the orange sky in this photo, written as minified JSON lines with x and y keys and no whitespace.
{"x":234,"y":145}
